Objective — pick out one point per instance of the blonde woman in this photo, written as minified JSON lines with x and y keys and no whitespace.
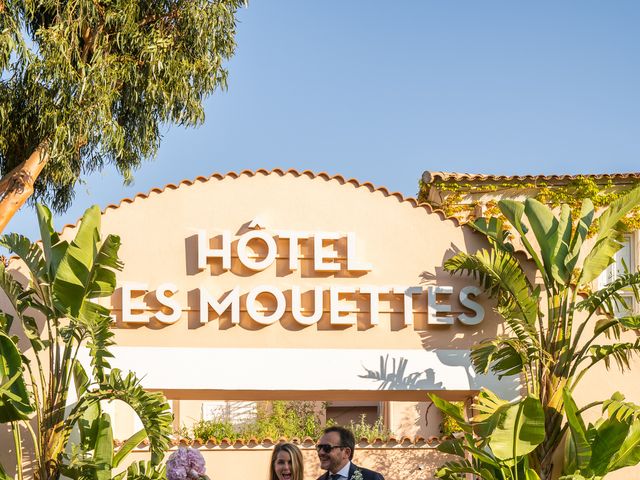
{"x":286,"y":463}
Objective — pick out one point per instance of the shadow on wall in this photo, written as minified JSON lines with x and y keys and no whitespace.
{"x":393,"y":376}
{"x":506,"y":387}
{"x":398,"y":464}
{"x":393,"y":463}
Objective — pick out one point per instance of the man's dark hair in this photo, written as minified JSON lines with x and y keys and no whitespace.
{"x":346,"y":438}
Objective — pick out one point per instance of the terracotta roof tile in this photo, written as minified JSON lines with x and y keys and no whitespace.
{"x":307,"y":442}
{"x":433,"y":176}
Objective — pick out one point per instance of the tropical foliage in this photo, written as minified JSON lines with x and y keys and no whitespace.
{"x":86,"y":83}
{"x":47,"y":390}
{"x":498,"y":439}
{"x":557,"y":327}
{"x":593,"y":450}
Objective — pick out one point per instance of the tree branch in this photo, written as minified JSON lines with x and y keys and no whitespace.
{"x":171,"y":14}
{"x":17,"y":186}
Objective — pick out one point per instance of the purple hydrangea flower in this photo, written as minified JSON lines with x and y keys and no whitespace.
{"x":185,"y":463}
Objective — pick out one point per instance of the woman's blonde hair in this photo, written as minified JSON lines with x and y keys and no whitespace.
{"x":297,"y":466}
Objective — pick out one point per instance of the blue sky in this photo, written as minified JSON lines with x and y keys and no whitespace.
{"x":381,"y":91}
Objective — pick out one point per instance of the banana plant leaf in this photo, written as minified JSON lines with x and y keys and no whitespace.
{"x":4,"y":475}
{"x":132,"y":442}
{"x":103,"y":453}
{"x":520,"y":429}
{"x":15,"y":403}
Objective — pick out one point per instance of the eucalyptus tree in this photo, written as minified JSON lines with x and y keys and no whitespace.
{"x":47,"y":391}
{"x":558,"y":326}
{"x":90,"y":83}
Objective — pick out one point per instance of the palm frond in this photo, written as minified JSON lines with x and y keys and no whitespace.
{"x":610,"y":230}
{"x":151,"y":407}
{"x":30,"y":253}
{"x":502,"y":277}
{"x":143,"y":470}
{"x":604,"y":298}
{"x":100,"y":337}
{"x":622,"y":411}
{"x":503,"y":355}
{"x":621,"y":353}
{"x":460,"y":470}
{"x":13,"y":290}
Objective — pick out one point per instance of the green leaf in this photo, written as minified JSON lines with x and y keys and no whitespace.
{"x":610,"y":437}
{"x":451,"y":409}
{"x":582,"y":229}
{"x":620,"y":352}
{"x":72,"y":281}
{"x":531,"y":474}
{"x":28,"y":252}
{"x":520,"y":429}
{"x":599,"y":258}
{"x":514,"y":211}
{"x":132,"y":442}
{"x":151,"y":407}
{"x":607,"y":295}
{"x":609,"y":232}
{"x":89,"y":423}
{"x":561,"y":249}
{"x":53,"y":248}
{"x":617,"y":408}
{"x":103,"y":453}
{"x":457,"y":470}
{"x":545,"y":228}
{"x":4,"y":475}
{"x":143,"y":471}
{"x":504,"y":355}
{"x":12,"y":289}
{"x":493,"y":229}
{"x":452,"y":447}
{"x":582,"y":446}
{"x":629,"y":452}
{"x":610,"y":218}
{"x":15,"y":403}
{"x":631,"y":322}
{"x":502,"y":277}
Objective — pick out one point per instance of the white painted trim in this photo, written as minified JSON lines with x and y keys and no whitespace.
{"x":305,"y":370}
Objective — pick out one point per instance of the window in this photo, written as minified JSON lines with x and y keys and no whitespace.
{"x":236,"y":412}
{"x":343,"y":413}
{"x":625,"y":257}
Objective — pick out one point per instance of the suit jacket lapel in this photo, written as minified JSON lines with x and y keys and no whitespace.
{"x":352,"y":468}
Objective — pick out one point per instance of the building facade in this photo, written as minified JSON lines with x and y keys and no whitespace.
{"x":243,"y":289}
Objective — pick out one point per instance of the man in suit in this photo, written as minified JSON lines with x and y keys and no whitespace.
{"x":335,"y":451}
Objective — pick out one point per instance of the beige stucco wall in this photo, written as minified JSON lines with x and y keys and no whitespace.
{"x":394,"y":462}
{"x":405,"y":244}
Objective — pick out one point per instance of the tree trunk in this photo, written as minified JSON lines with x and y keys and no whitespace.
{"x":17,"y":185}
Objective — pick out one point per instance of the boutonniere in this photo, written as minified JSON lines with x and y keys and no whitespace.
{"x":357,"y":475}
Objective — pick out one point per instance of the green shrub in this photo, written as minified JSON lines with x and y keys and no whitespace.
{"x":285,"y":419}
{"x":449,"y":425}
{"x":273,"y":420}
{"x":362,"y":429}
{"x":218,"y":429}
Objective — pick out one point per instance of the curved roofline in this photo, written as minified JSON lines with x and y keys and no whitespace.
{"x":292,"y":171}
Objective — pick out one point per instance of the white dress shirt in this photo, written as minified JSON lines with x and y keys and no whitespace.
{"x":343,"y":472}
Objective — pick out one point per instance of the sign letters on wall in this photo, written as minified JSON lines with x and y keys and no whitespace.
{"x":337,"y":299}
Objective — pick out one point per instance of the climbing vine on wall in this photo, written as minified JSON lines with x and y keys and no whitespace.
{"x":573,"y":193}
